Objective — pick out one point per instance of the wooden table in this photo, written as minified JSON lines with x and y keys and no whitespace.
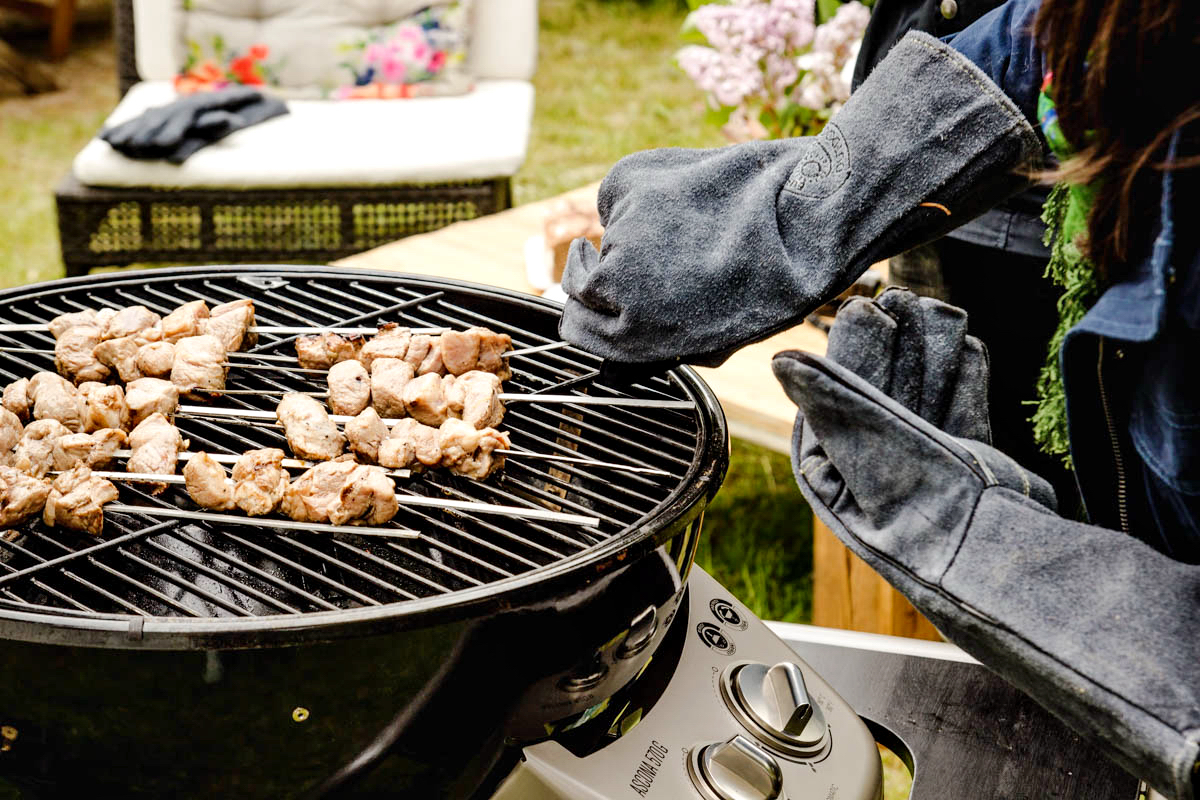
{"x":58,"y":14}
{"x":491,"y":250}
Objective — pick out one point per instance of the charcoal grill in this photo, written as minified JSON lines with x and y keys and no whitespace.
{"x":174,"y":658}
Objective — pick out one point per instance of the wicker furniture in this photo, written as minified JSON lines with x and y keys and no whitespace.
{"x":102,"y":225}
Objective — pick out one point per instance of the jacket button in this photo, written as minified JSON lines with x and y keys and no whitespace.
{"x":949,"y":9}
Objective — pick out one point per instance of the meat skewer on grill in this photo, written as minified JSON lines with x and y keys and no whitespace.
{"x":339,"y":492}
{"x":451,"y":353}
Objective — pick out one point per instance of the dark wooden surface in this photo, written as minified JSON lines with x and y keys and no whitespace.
{"x":971,"y":735}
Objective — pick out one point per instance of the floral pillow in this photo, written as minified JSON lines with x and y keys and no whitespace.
{"x":421,"y":53}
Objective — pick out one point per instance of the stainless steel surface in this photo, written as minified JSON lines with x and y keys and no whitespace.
{"x":736,"y":769}
{"x":774,"y":704}
{"x":657,"y":753}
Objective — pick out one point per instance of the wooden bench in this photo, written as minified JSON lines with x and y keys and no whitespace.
{"x":491,"y":250}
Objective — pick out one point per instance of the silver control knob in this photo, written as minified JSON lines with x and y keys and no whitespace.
{"x":774,"y":704}
{"x":736,"y":770}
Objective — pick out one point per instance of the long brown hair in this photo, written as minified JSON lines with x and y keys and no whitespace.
{"x":1126,"y":77}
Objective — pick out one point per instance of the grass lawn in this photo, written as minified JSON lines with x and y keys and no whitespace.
{"x":606,"y":86}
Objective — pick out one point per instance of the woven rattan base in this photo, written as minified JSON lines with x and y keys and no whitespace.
{"x":117,"y":226}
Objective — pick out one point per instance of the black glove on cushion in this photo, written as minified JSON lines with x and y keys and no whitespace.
{"x":707,"y":250}
{"x":1093,"y":624}
{"x":177,"y":130}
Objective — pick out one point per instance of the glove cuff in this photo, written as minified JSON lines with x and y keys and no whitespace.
{"x":894,"y":169}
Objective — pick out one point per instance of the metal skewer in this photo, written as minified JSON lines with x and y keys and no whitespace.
{"x":285,"y":330}
{"x":262,"y":522}
{"x":290,"y":463}
{"x":402,"y":499}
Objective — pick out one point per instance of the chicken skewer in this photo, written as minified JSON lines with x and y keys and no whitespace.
{"x":265,"y":522}
{"x":403,"y":499}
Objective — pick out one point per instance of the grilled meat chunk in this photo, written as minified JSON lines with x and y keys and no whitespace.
{"x":121,"y":355}
{"x":492,"y":347}
{"x":470,"y":451}
{"x":56,"y":398}
{"x":104,"y":406}
{"x":349,"y":387}
{"x":231,"y":323}
{"x":185,"y":321}
{"x":74,"y":354}
{"x":324,"y":350}
{"x":432,"y":364}
{"x":476,"y":349}
{"x":35,"y":452}
{"x":96,"y":450}
{"x":134,"y":321}
{"x":199,"y":368}
{"x":475,"y":397}
{"x":411,"y":442}
{"x":310,"y":433}
{"x":365,"y":433}
{"x":391,"y":342}
{"x":425,"y":400}
{"x":147,"y":396}
{"x":341,"y":492}
{"x":259,"y":481}
{"x":64,"y":322}
{"x":460,"y":350}
{"x":389,"y":376}
{"x":20,"y":496}
{"x":155,"y":359}
{"x":206,"y":483}
{"x":155,"y":444}
{"x":76,"y":501}
{"x":418,"y":349}
{"x":16,"y":398}
{"x":10,"y":434}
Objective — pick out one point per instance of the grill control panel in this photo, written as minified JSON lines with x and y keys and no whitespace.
{"x":742,"y":718}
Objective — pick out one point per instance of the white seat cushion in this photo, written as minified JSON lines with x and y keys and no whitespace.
{"x":482,"y":134}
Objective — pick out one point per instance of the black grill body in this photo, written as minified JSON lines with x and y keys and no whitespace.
{"x":180,"y":659}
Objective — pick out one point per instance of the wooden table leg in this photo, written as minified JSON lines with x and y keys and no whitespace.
{"x":850,"y":595}
{"x":61,"y":22}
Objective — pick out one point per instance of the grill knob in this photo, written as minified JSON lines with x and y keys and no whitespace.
{"x":736,"y":770}
{"x":774,"y":703}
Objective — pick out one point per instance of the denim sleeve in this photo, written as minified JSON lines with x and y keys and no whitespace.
{"x":1002,"y":44}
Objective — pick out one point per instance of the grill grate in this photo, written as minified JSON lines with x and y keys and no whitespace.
{"x":149,"y":568}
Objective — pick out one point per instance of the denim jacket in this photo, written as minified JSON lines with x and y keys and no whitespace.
{"x":1130,"y":366}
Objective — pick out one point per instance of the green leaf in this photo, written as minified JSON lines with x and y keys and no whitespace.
{"x":718,"y":116}
{"x":826,"y":9}
{"x":218,"y":43}
{"x":689,"y":33}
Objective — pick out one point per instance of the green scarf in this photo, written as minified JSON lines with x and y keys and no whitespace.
{"x":1065,"y":214}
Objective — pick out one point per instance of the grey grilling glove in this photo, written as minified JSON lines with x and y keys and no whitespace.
{"x":177,"y":130}
{"x":705,"y":251}
{"x":1099,"y":628}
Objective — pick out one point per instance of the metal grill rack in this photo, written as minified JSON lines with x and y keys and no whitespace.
{"x":147,"y":567}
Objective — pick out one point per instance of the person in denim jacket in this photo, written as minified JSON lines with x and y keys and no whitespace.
{"x":708,"y":250}
{"x":993,"y":266}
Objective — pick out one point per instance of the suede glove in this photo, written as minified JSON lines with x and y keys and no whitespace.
{"x":705,"y":251}
{"x":1096,"y":626}
{"x":178,"y":129}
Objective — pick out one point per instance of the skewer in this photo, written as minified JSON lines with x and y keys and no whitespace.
{"x":505,"y":397}
{"x":402,"y":499}
{"x":262,"y":522}
{"x":292,"y":463}
{"x":587,"y":461}
{"x":285,"y":330}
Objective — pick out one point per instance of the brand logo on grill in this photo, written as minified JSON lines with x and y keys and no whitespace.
{"x":712,"y":636}
{"x":724,"y":611}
